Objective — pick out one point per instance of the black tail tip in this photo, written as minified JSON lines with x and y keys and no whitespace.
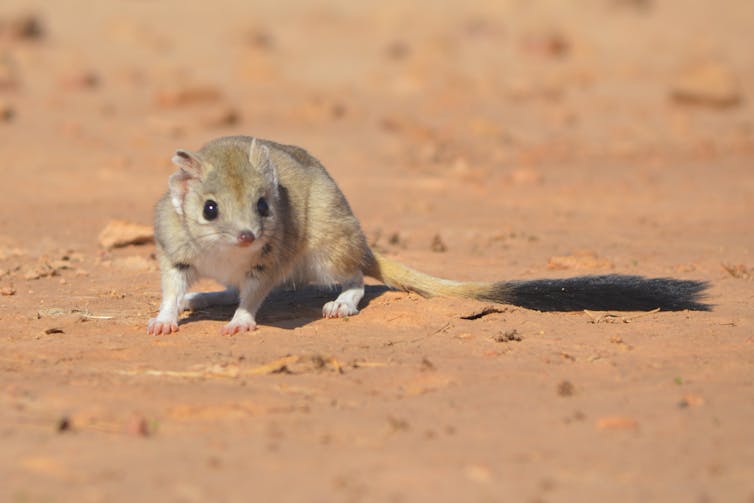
{"x":613,"y":292}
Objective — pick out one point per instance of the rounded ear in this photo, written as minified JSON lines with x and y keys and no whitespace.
{"x":190,"y":167}
{"x":188,"y":161}
{"x":259,"y":157}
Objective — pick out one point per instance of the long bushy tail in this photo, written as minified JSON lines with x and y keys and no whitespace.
{"x":612,"y":292}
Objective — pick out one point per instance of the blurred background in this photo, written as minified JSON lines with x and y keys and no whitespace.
{"x":477,"y":128}
{"x":479,"y":91}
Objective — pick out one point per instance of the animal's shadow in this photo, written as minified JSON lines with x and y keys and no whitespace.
{"x":612,"y":292}
{"x":287,"y":309}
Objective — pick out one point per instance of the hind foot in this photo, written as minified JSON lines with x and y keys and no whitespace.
{"x":348,"y":300}
{"x":243,"y":321}
{"x":336,"y":309}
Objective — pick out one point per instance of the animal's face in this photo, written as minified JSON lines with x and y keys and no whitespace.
{"x":230,"y":197}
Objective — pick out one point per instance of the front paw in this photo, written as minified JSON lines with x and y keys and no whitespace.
{"x":241,"y":322}
{"x":157,"y":326}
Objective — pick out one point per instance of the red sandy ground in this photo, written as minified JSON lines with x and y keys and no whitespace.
{"x":535,"y":139}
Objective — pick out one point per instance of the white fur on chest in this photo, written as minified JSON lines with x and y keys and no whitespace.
{"x":226,"y":265}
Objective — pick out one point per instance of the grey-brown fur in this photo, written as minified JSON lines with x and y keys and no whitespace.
{"x":308,"y":234}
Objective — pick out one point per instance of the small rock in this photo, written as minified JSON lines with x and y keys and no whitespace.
{"x":80,"y":80}
{"x":64,"y":424}
{"x":395,"y":239}
{"x":508,"y":336}
{"x":690,"y":400}
{"x":40,"y":271}
{"x":397,"y":424}
{"x":49,"y":267}
{"x":60,"y":264}
{"x":438,"y":246}
{"x":709,"y":83}
{"x":22,"y":27}
{"x":7,"y":112}
{"x":551,"y":43}
{"x":226,"y":116}
{"x":7,"y":291}
{"x":141,"y":427}
{"x":398,"y":50}
{"x":618,"y":341}
{"x":120,"y":233}
{"x":635,"y":4}
{"x":739,"y":271}
{"x":321,"y":108}
{"x":427,"y":365}
{"x":261,"y":39}
{"x":565,"y":388}
{"x":187,"y":95}
{"x":54,"y":330}
{"x":52,"y":312}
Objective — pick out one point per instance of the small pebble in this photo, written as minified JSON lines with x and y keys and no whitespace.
{"x":710,"y":83}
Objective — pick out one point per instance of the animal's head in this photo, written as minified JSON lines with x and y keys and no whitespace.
{"x":227,"y":193}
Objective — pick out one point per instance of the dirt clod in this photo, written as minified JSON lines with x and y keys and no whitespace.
{"x":398,"y":50}
{"x":141,"y":426}
{"x":710,"y":83}
{"x":397,"y":424}
{"x":396,"y":239}
{"x":508,"y":336}
{"x":438,"y":245}
{"x":26,"y":26}
{"x":183,"y":95}
{"x":80,"y":80}
{"x":261,"y":39}
{"x":64,"y":424}
{"x":739,"y":271}
{"x":566,"y":388}
{"x":548,"y":43}
{"x":119,"y":233}
{"x":690,"y":400}
{"x":7,"y":112}
{"x":427,"y":365}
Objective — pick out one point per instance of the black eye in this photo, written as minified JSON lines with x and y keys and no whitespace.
{"x":263,"y":208}
{"x":210,"y":209}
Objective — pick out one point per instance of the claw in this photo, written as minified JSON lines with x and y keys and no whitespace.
{"x":233,"y":328}
{"x":157,"y":327}
{"x":335,"y":309}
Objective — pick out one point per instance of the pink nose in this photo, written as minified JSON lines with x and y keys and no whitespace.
{"x":245,"y":238}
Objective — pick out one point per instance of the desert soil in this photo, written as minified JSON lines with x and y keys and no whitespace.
{"x":474,"y":140}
